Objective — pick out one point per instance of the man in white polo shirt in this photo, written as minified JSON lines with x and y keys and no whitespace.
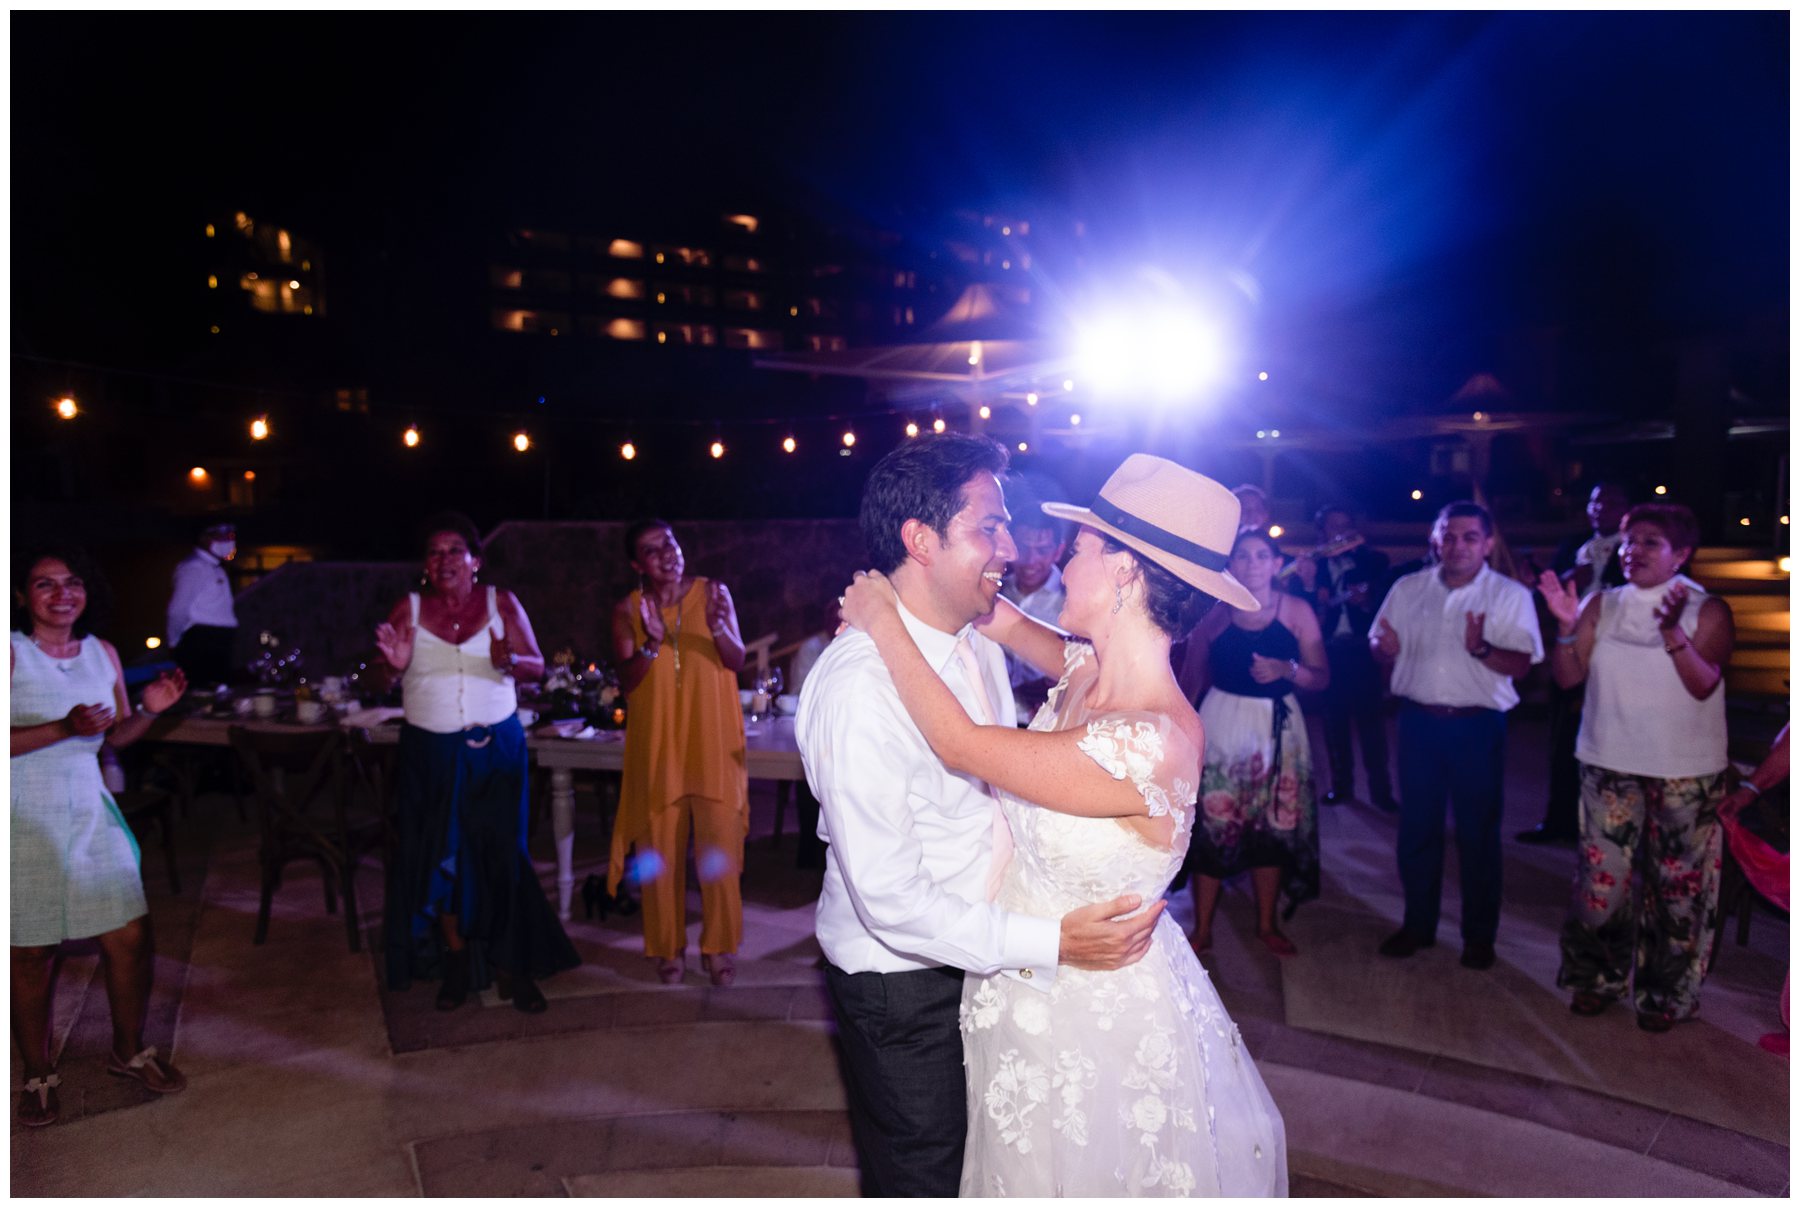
{"x":905,"y":907}
{"x":1455,"y":637}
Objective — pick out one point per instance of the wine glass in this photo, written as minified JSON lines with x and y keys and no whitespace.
{"x":762,"y":696}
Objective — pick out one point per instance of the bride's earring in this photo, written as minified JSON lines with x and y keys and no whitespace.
{"x":1118,"y":599}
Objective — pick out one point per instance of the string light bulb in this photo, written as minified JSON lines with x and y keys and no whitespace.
{"x":410,"y":437}
{"x":1263,"y":376}
{"x":152,"y":643}
{"x":1661,"y":490}
{"x":521,"y":441}
{"x":1024,"y":448}
{"x":1031,"y":398}
{"x":1075,"y":420}
{"x":717,"y":449}
{"x":986,"y":412}
{"x":849,"y":439}
{"x":1418,"y":495}
{"x":198,"y":476}
{"x":259,"y":428}
{"x":912,"y":429}
{"x":937,"y":425}
{"x":66,"y":408}
{"x":628,"y":451}
{"x":789,"y":444}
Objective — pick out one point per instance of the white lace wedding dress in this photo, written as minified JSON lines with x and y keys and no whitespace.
{"x":1127,"y":1083}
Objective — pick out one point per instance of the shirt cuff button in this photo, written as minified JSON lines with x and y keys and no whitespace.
{"x":1025,"y":973}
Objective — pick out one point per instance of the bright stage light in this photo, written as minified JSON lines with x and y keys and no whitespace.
{"x":1162,"y":354}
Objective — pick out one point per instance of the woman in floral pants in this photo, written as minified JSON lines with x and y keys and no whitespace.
{"x":1652,"y":754}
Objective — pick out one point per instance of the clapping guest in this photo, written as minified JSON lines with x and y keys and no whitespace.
{"x":464,"y":903}
{"x":1652,"y":749}
{"x":74,"y":861}
{"x":678,"y":648}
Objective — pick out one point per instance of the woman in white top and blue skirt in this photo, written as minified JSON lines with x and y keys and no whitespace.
{"x":1653,"y":762}
{"x":464,"y":904}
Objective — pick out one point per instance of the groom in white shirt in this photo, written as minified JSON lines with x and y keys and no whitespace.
{"x":914,"y":847}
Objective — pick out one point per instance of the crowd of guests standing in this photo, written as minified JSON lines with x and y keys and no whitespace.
{"x":1638,"y":771}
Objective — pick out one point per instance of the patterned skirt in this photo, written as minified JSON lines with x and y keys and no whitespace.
{"x":1257,"y":808}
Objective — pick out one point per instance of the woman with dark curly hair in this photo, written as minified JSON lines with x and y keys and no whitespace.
{"x":464,"y":904}
{"x":74,"y":861}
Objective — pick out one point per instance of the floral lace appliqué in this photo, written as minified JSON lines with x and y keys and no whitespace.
{"x":1018,"y":1089}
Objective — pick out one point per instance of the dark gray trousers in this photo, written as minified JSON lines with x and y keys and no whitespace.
{"x":903,"y":1062}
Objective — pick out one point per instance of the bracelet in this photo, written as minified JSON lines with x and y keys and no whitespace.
{"x":1750,"y":784}
{"x":1676,"y":649}
{"x":649,"y":652}
{"x":1294,"y":670}
{"x":1482,"y":650}
{"x":1568,"y":641}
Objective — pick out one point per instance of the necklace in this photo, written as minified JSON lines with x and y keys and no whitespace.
{"x":678,"y":643}
{"x":65,"y":663}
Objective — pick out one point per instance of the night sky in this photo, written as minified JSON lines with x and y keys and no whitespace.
{"x":1405,"y":193}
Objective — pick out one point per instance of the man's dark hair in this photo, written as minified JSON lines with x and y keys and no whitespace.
{"x":1466,"y":507}
{"x":99,"y":595}
{"x":452,"y":522}
{"x":635,"y":533}
{"x":1328,"y":509}
{"x":923,"y":480}
{"x":1676,"y":520}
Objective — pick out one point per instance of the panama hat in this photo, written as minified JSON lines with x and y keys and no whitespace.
{"x":1182,"y":521}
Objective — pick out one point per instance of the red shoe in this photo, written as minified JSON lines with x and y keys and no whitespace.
{"x":1277,"y":943}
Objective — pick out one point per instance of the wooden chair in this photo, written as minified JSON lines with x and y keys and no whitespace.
{"x":302,"y":806}
{"x":150,"y":804}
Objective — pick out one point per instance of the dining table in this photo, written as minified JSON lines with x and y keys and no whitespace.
{"x":559,"y":748}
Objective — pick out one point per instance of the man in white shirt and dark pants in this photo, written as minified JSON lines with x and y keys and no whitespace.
{"x":905,"y":907}
{"x":202,"y":619}
{"x":1455,"y":637}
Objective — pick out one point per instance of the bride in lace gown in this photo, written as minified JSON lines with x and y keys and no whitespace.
{"x":1133,"y":1082}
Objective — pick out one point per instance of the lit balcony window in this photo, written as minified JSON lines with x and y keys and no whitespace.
{"x":826,"y":343}
{"x":689,"y":333}
{"x":530,"y":321}
{"x":746,"y":221}
{"x":747,"y":337}
{"x":625,"y":329}
{"x":743,"y":299}
{"x":625,"y":249}
{"x":506,"y":278}
{"x":691,"y":257}
{"x":286,"y":244}
{"x":743,"y":264}
{"x":624,"y":287}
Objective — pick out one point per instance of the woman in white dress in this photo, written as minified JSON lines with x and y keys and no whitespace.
{"x":1132,"y":1082}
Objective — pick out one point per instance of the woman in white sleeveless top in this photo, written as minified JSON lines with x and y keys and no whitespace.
{"x":464,"y":904}
{"x":74,"y":861}
{"x":1652,"y":755}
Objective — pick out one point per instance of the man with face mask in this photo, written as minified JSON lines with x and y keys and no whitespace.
{"x":202,"y":621}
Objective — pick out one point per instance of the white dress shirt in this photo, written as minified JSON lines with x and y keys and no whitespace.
{"x":1435,"y":666}
{"x":909,"y":840}
{"x":202,"y":595}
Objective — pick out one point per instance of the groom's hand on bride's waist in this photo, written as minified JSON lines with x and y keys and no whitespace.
{"x":1095,"y":937}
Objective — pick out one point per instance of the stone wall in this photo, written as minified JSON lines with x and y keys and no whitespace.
{"x":568,"y":575}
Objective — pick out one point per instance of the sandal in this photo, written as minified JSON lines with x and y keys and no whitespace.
{"x":670,"y":972}
{"x":155,"y":1074}
{"x":46,"y":1109}
{"x":1588,"y":1004}
{"x":722,"y":968}
{"x":1277,"y":943}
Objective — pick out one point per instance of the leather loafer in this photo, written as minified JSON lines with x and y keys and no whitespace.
{"x":1477,"y":956}
{"x":1543,"y":834}
{"x":1404,"y":943}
